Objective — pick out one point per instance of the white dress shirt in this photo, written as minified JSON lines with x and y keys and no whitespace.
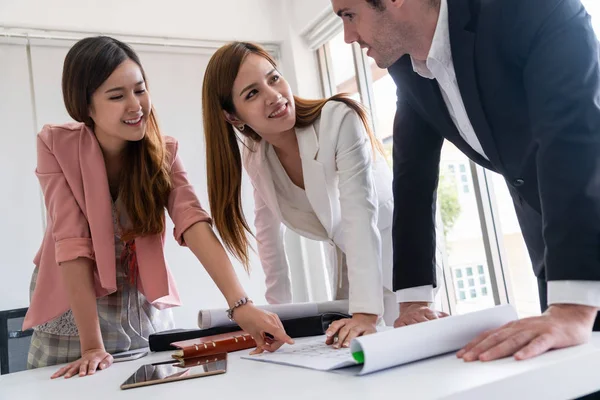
{"x":293,"y":201}
{"x":439,"y":66}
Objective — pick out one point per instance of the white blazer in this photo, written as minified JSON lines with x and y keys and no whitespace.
{"x":351,"y":196}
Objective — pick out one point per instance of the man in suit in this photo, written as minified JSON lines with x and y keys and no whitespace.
{"x":515,"y":85}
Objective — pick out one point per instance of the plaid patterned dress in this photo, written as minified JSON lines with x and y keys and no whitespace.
{"x":126,"y":318}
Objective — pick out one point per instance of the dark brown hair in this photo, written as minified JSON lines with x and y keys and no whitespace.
{"x":145,"y":181}
{"x":378,"y":4}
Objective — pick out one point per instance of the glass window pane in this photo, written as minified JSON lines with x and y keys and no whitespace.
{"x":520,"y":272}
{"x":458,"y":273}
{"x":462,"y":226}
{"x":471,"y":282}
{"x":473,"y":293}
{"x":384,"y":98}
{"x":484,"y":291}
{"x":384,"y":101}
{"x":461,"y":284}
{"x":482,"y":280}
{"x":342,"y":68}
{"x":593,"y":8}
{"x":461,"y":295}
{"x":480,"y":269}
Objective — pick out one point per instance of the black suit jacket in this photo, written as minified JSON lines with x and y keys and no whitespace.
{"x":529,"y":77}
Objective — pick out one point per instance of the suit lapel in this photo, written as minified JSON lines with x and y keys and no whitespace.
{"x":462,"y":21}
{"x":98,"y":208}
{"x":260,"y":174}
{"x":430,"y":94}
{"x":315,"y":182}
{"x":429,"y":103}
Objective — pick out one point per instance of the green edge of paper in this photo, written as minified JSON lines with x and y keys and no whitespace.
{"x":359,"y":356}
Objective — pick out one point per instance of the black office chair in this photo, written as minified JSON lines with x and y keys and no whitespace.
{"x":14,"y":343}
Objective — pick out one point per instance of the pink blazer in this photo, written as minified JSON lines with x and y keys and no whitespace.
{"x":72,"y":174}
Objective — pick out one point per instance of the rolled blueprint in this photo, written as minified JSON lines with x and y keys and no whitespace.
{"x":218,"y":317}
{"x":417,"y":342}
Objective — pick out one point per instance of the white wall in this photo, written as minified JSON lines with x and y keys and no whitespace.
{"x":301,"y":65}
{"x":199,"y":19}
{"x":305,"y":12}
{"x":21,"y":226}
{"x":276,"y":21}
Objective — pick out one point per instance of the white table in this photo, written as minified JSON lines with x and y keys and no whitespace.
{"x":559,"y":374}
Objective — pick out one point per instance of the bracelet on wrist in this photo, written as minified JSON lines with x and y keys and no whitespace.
{"x":239,"y":303}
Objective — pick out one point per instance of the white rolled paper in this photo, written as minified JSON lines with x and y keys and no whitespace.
{"x":417,"y":342}
{"x":218,"y":317}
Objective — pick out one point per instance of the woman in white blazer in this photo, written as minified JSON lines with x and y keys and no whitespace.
{"x":315,"y":167}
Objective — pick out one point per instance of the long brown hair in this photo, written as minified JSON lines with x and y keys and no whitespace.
{"x":224,"y":162}
{"x":145,"y":183}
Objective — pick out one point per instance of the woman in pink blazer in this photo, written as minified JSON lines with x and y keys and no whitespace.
{"x":101,"y":283}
